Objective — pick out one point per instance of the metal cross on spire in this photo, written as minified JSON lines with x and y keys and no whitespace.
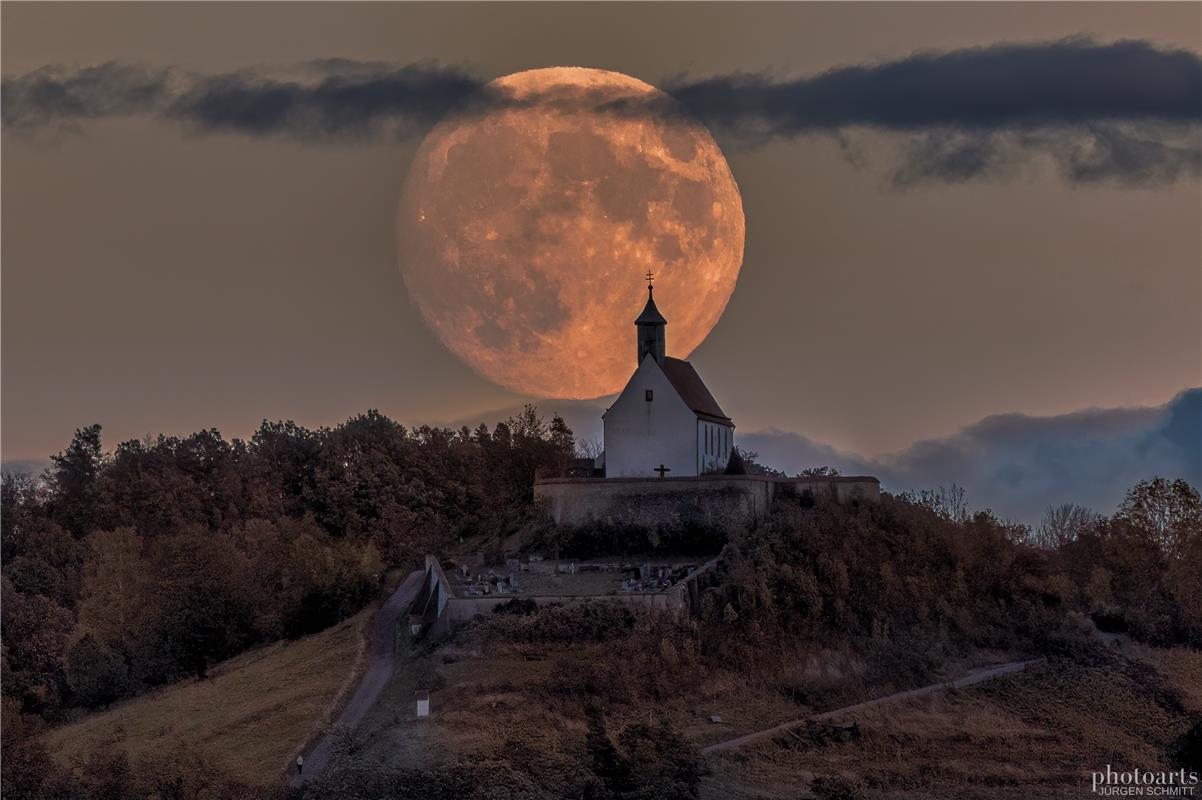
{"x":650,"y":278}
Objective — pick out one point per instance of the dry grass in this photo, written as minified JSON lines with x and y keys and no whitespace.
{"x":1034,"y":735}
{"x":247,"y":717}
{"x":484,"y":707}
{"x":477,"y":704}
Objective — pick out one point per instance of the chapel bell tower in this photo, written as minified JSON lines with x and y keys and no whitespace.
{"x":650,"y":326}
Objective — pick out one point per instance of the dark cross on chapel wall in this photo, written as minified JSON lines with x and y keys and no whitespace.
{"x":661,"y":469}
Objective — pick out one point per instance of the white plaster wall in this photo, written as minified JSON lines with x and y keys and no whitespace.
{"x":640,"y":436}
{"x":438,"y":579}
{"x":713,"y":457}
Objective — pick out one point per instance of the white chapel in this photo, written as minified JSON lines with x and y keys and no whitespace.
{"x":665,"y":423}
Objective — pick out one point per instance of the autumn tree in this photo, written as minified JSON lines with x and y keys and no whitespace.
{"x":35,"y":637}
{"x":359,"y":477}
{"x":73,"y":476}
{"x":1062,"y":524}
{"x":279,"y":466}
{"x":561,"y":443}
{"x":1170,"y":511}
{"x":45,"y":560}
{"x":27,"y":771}
{"x":1184,"y":581}
{"x":117,"y":602}
{"x":159,"y":485}
{"x":204,"y":598}
{"x":20,"y":506}
{"x":96,"y":673}
{"x":326,"y":580}
{"x":515,"y":451}
{"x":945,"y":502}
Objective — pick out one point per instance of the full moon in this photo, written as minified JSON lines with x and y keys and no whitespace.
{"x":525,"y":230}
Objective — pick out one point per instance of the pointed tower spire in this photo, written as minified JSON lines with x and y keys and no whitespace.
{"x":650,"y":326}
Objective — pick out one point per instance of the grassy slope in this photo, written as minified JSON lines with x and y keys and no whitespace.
{"x":1038,"y":733}
{"x":248,"y":717}
{"x":1035,"y":735}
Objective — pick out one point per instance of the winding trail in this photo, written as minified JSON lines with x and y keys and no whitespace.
{"x":379,"y":670}
{"x":976,"y":676}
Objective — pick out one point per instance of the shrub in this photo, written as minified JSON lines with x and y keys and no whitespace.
{"x":578,"y":622}
{"x":96,"y":673}
{"x":829,"y":788}
{"x":647,"y":762}
{"x":687,"y":537}
{"x":905,"y":583}
{"x":518,"y":607}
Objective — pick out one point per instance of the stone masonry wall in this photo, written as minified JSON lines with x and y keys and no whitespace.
{"x":711,"y":499}
{"x":460,"y":609}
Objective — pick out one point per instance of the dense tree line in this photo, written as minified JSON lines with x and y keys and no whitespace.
{"x":136,"y":567}
{"x":917,"y":580}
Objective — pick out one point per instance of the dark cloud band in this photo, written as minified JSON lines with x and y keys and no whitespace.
{"x":1019,"y":86}
{"x":1126,"y":111}
{"x":335,"y":99}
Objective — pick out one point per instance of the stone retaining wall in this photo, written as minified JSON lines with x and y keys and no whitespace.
{"x":721,"y":500}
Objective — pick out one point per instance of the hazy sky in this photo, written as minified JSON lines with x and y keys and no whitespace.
{"x":157,"y":278}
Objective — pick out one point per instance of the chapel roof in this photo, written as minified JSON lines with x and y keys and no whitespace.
{"x":693,"y":391}
{"x":650,"y":315}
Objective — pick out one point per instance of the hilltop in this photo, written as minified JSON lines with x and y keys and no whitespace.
{"x":824,"y":606}
{"x":131,"y":580}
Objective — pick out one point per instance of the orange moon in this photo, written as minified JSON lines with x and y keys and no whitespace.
{"x":525,"y":231}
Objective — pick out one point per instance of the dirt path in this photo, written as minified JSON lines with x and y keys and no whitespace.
{"x":379,"y":670}
{"x":975,"y":676}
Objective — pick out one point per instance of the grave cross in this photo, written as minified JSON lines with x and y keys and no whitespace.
{"x":661,"y":469}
